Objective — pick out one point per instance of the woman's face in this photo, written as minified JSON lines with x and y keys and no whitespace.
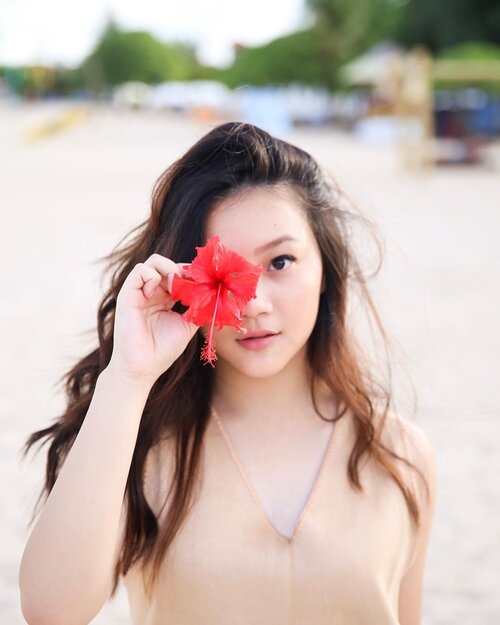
{"x":288,"y":289}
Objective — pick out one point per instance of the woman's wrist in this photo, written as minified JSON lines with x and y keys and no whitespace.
{"x":124,"y":382}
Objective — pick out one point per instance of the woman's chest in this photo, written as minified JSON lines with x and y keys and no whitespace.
{"x":349,"y":549}
{"x":281,"y":473}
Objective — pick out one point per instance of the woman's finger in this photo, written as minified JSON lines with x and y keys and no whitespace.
{"x":166,"y":268}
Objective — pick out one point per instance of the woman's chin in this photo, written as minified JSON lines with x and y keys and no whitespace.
{"x":256,"y":367}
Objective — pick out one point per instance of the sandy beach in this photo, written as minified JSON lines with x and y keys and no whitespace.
{"x":67,"y":199}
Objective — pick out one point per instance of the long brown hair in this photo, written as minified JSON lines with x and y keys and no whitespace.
{"x":230,"y":157}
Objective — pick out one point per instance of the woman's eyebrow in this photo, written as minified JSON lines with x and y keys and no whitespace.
{"x":274,"y":243}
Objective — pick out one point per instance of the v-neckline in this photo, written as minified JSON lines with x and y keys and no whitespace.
{"x":289,"y":540}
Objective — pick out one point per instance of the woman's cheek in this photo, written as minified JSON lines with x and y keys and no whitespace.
{"x":303,"y":289}
{"x":305,"y":304}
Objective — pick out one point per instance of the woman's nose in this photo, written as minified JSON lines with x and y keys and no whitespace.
{"x":261,"y":303}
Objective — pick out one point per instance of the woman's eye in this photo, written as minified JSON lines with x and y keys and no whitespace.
{"x":279,"y":260}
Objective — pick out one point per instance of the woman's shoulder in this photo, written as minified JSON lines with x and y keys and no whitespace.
{"x":413,"y":441}
{"x":414,"y":436}
{"x":396,"y":427}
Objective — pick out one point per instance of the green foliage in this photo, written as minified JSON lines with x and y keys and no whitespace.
{"x":445,"y":23}
{"x":207,"y":72}
{"x":350,"y":27}
{"x":136,"y":56}
{"x":293,"y":58}
{"x":473,"y":50}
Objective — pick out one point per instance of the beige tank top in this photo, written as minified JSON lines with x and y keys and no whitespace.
{"x":228,"y":564}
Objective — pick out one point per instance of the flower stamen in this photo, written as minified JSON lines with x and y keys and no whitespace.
{"x":208,"y":351}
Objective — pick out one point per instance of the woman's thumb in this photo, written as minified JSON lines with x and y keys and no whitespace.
{"x":192,"y":326}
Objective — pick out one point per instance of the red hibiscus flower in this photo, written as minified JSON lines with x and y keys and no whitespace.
{"x":217,"y":286}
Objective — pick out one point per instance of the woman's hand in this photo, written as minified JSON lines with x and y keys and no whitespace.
{"x":148,"y":336}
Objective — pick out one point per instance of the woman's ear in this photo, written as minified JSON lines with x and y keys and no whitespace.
{"x":323,"y":283}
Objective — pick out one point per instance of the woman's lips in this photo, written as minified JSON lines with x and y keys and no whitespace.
{"x":258,"y":343}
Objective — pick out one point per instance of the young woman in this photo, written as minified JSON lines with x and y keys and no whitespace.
{"x":277,"y":486}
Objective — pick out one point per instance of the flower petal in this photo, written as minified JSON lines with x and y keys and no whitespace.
{"x":187,"y":291}
{"x":230,"y":311}
{"x":204,"y":264}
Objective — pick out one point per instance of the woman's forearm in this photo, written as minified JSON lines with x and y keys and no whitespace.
{"x":67,"y":564}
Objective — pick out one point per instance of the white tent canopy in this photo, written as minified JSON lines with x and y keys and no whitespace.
{"x":374,"y":67}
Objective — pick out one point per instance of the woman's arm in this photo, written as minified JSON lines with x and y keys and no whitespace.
{"x":67,"y":565}
{"x":410,"y":593}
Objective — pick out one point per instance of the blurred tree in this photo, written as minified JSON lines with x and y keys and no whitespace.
{"x":121,"y":56}
{"x":292,"y":58}
{"x":339,"y":31}
{"x":344,"y":29}
{"x":472,"y":50}
{"x":449,"y":22}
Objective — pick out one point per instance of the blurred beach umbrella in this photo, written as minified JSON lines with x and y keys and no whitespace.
{"x":374,"y":68}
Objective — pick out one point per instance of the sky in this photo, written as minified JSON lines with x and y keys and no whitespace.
{"x":64,"y":31}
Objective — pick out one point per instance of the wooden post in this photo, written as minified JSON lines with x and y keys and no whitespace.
{"x":414,"y":109}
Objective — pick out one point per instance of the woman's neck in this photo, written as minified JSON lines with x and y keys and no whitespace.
{"x":268,"y":402}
